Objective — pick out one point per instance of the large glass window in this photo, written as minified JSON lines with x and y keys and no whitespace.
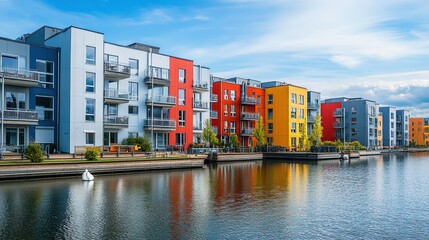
{"x":180,"y":139}
{"x":90,"y":55}
{"x":90,"y":110}
{"x":232,"y":127}
{"x":293,"y":98}
{"x":182,"y":118}
{"x":301,"y":99}
{"x":90,"y":138}
{"x":293,"y":113}
{"x":225,"y":94}
{"x":45,"y":108}
{"x":181,"y":96}
{"x":225,"y":110}
{"x":233,"y":111}
{"x":111,"y":110}
{"x":90,"y":82}
{"x":270,"y":98}
{"x":293,"y":128}
{"x":133,"y":109}
{"x":270,"y":114}
{"x":46,"y":73}
{"x":270,"y":127}
{"x":182,"y":75}
{"x":133,"y":89}
{"x":233,"y":95}
{"x":134,"y":65}
{"x":9,"y":62}
{"x":15,"y":100}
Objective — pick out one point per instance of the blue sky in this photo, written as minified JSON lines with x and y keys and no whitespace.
{"x":355,"y":48}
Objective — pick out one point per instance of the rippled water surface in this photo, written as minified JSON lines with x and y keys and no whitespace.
{"x":382,"y":197}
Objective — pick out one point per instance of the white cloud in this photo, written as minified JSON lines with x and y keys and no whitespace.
{"x":347,"y":61}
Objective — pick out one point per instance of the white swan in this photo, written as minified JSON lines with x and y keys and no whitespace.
{"x":87,"y":176}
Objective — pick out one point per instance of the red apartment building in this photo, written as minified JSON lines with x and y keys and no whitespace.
{"x":236,"y":106}
{"x":329,"y":118}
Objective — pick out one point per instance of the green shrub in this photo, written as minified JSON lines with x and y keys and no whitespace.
{"x":142,"y":142}
{"x":92,"y":154}
{"x":34,"y":152}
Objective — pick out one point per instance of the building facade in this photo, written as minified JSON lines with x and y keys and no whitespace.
{"x":350,"y":119}
{"x":389,"y":126}
{"x":313,"y":109}
{"x":285,"y":113}
{"x":402,"y":128}
{"x":419,"y":131}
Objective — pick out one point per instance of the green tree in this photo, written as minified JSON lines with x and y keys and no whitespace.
{"x":233,"y":139}
{"x":34,"y":152}
{"x":259,"y":132}
{"x":303,"y":140}
{"x":315,"y":137}
{"x":209,"y":136}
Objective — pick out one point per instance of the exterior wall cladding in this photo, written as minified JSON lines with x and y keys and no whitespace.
{"x":350,"y":119}
{"x":110,"y":92}
{"x":419,"y":131}
{"x":30,"y":93}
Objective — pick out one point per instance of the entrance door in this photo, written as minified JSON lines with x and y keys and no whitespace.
{"x":110,"y":138}
{"x":15,"y":136}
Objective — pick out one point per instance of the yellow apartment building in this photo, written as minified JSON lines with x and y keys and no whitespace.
{"x":286,"y":112}
{"x":419,"y":131}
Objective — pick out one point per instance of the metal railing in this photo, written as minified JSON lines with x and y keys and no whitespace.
{"x":249,"y":116}
{"x":250,"y":100}
{"x":117,"y":67}
{"x":21,"y":74}
{"x":160,"y":123}
{"x":171,"y":100}
{"x":116,"y":120}
{"x":26,"y":115}
{"x":213,"y":97}
{"x":338,"y":125}
{"x":247,"y":131}
{"x":113,"y":93}
{"x":200,"y":85}
{"x":311,"y":105}
{"x":198,"y":127}
{"x":160,"y":73}
{"x":203,"y":105}
{"x":338,"y":112}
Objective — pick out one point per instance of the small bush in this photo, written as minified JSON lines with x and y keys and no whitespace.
{"x":142,"y":142}
{"x":92,"y":154}
{"x":34,"y":153}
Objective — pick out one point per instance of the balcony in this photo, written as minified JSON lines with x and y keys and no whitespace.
{"x":213,"y":98}
{"x":200,"y":86}
{"x":310,"y":119}
{"x":159,"y":124}
{"x":250,"y":100}
{"x":247,"y":132}
{"x":338,"y":112}
{"x":249,"y":116}
{"x":214,"y":128}
{"x":116,"y":97}
{"x":198,"y":127}
{"x":399,"y":137}
{"x":312,"y":106}
{"x":162,"y":101}
{"x":339,"y":136}
{"x":338,"y":125}
{"x":213,"y":114}
{"x":201,"y":106}
{"x":20,"y":77}
{"x":116,"y":71}
{"x":159,"y":76}
{"x":115,"y":122}
{"x":20,"y":117}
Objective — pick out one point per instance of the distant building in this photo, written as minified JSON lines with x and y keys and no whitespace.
{"x":419,"y":131}
{"x":389,"y":126}
{"x":313,"y":109}
{"x":379,"y":136}
{"x":402,"y":128}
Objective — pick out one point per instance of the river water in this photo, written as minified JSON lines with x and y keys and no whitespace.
{"x":381,"y":197}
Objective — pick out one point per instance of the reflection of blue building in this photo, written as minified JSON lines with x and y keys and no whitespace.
{"x":29,"y":73}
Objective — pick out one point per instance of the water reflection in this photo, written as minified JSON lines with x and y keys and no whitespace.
{"x":364,"y":198}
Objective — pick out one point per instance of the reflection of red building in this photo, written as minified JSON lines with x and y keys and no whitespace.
{"x":183,"y":136}
{"x":329,"y":118}
{"x":239,"y":104}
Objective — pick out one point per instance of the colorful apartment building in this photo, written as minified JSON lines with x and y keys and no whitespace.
{"x":350,"y":119}
{"x":237,"y":104}
{"x":419,"y":131}
{"x":110,"y":91}
{"x":313,"y":109}
{"x":286,"y":112}
{"x":402,"y":128}
{"x":379,"y":136}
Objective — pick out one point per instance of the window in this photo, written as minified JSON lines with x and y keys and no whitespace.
{"x":392,"y":125}
{"x":133,"y":110}
{"x":233,"y":95}
{"x":354,"y":132}
{"x":133,"y":89}
{"x":46,"y":73}
{"x":182,"y":118}
{"x":90,"y":110}
{"x":293,"y":128}
{"x":180,"y":139}
{"x":353,"y":110}
{"x":232,"y":126}
{"x":15,"y":100}
{"x":354,"y":120}
{"x":293,"y":141}
{"x":392,"y":134}
{"x":134,"y":66}
{"x":270,"y":98}
{"x":133,"y":134}
{"x":9,"y":62}
{"x":111,"y":110}
{"x":45,"y":108}
{"x":301,"y":99}
{"x":270,"y":127}
{"x":225,"y":111}
{"x":293,"y":98}
{"x":90,"y":55}
{"x":90,"y":138}
{"x":90,"y":82}
{"x":293,"y":112}
{"x":181,"y":96}
{"x":301,"y":113}
{"x":232,"y":110}
{"x":225,"y":126}
{"x":392,"y":116}
{"x":300,"y":127}
{"x":225,"y":94}
{"x":270,"y":140}
{"x":270,"y":114}
{"x":182,"y":75}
